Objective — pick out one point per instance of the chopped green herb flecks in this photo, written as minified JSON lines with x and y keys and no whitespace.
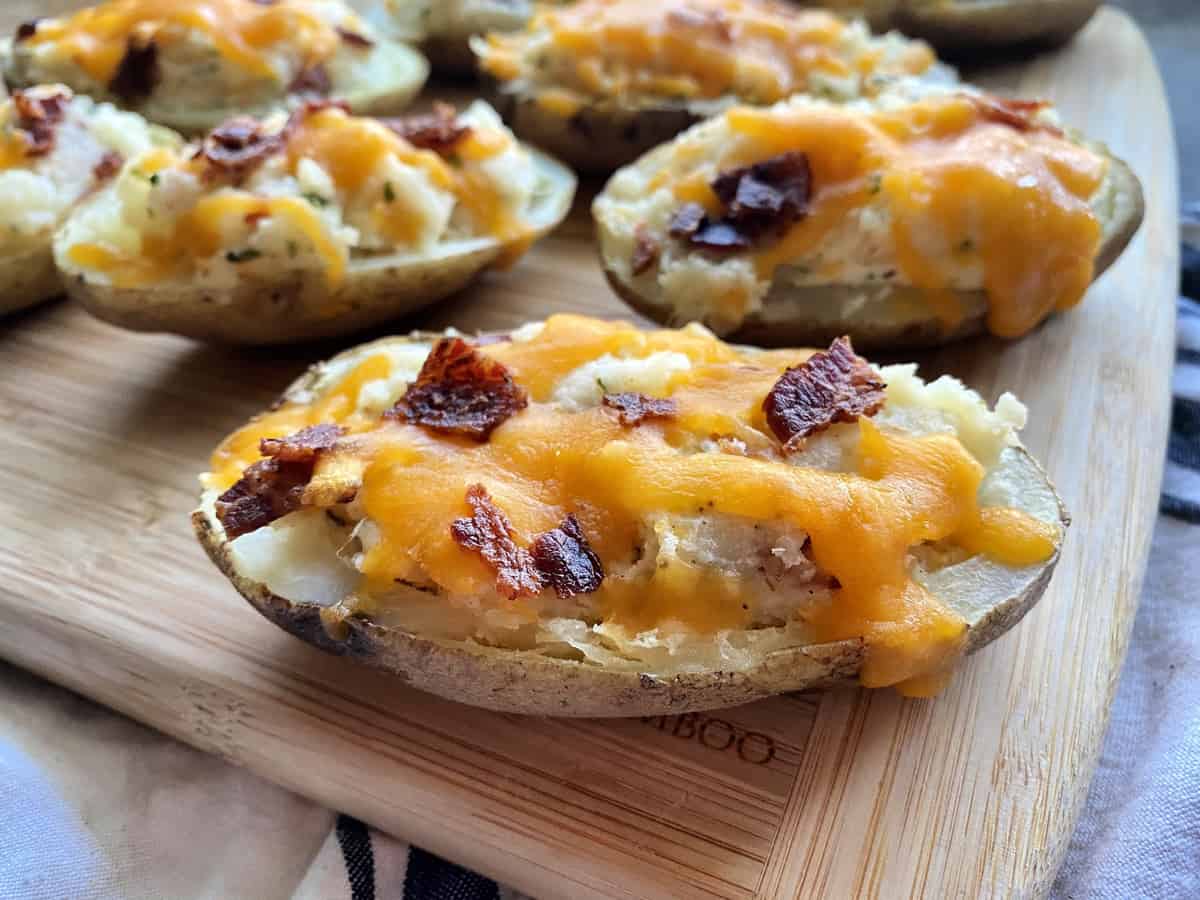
{"x":241,"y":256}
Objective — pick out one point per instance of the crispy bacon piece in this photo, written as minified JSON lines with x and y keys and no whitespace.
{"x":1018,"y":114}
{"x":312,"y":80}
{"x":771,"y":194}
{"x":37,"y":117}
{"x":273,"y":487}
{"x":566,"y":561}
{"x":634,"y":409}
{"x":439,"y":130}
{"x":834,"y":385}
{"x":354,"y":39}
{"x":303,"y":446}
{"x":756,"y":200}
{"x":138,"y":72}
{"x":646,"y":251}
{"x":460,"y":391}
{"x":490,"y":534}
{"x":26,"y":30}
{"x":237,"y":147}
{"x":108,"y":166}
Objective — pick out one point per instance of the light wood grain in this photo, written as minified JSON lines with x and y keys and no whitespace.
{"x":850,"y":794}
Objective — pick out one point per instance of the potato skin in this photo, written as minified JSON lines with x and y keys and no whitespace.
{"x":28,"y":278}
{"x":974,"y":25}
{"x":599,"y":137}
{"x":901,"y":332}
{"x":296,"y":307}
{"x":530,"y":683}
{"x":957,"y":28}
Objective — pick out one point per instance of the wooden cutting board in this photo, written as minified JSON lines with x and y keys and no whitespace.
{"x":103,"y":589}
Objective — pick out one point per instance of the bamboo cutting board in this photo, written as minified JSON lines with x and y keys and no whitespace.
{"x":103,"y":589}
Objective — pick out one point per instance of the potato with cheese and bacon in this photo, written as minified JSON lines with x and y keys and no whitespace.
{"x":191,"y":64}
{"x":583,"y":518}
{"x":443,"y":28}
{"x":913,"y":219}
{"x":961,"y":26}
{"x":311,"y":225}
{"x":599,"y":82}
{"x":55,"y":148}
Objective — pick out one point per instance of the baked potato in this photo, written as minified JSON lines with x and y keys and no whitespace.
{"x":308,"y":226}
{"x":959,"y":26}
{"x":599,"y":82}
{"x":55,"y":148}
{"x":584,"y":519}
{"x":191,"y":64}
{"x":913,"y":220}
{"x":443,"y":28}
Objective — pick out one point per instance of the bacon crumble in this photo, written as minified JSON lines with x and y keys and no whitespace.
{"x":757,"y":200}
{"x":108,"y":166}
{"x":489,"y":533}
{"x":273,"y":487}
{"x":439,"y":130}
{"x":633,"y":408}
{"x":646,"y":251}
{"x":37,"y":118}
{"x":354,"y":39}
{"x":460,"y":391}
{"x":138,"y":72}
{"x":834,"y":385}
{"x":303,"y":446}
{"x":238,"y":146}
{"x":1018,"y":114}
{"x":566,"y":561}
{"x":312,"y":80}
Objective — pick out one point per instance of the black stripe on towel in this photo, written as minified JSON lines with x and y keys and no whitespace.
{"x":1179,"y":508}
{"x":1183,"y":449}
{"x":355,"y":841}
{"x":430,"y":877}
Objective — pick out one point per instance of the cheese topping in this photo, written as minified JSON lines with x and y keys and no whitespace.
{"x":867,"y":495}
{"x":337,"y":186}
{"x":245,"y":33}
{"x":933,"y":193}
{"x":759,"y":51}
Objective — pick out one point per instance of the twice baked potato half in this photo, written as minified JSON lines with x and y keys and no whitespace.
{"x":909,"y":221}
{"x":958,"y":26}
{"x":443,"y":28}
{"x":599,"y":82}
{"x":581,"y":518}
{"x":191,"y":64}
{"x":308,"y":226}
{"x":55,"y":148}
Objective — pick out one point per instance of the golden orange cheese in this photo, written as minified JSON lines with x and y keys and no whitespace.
{"x":960,"y":188}
{"x":351,"y":149}
{"x":546,"y":462}
{"x":244,"y":32}
{"x":760,"y":50}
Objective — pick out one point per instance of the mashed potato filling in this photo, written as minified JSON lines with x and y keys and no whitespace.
{"x":338,"y":188}
{"x":38,"y":190}
{"x":945,"y":192}
{"x":711,"y":537}
{"x":758,"y":51}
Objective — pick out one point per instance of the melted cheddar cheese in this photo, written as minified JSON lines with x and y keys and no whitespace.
{"x":381,"y":189}
{"x":757,"y":50}
{"x":931,"y":193}
{"x":244,"y":33}
{"x":896,"y":491}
